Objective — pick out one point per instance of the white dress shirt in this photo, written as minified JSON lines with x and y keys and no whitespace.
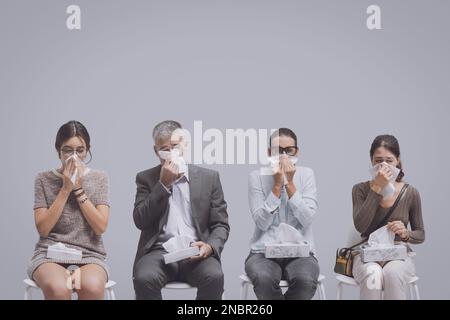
{"x":179,"y":221}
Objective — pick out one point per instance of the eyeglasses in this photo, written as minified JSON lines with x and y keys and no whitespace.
{"x":173,"y":147}
{"x":290,"y":151}
{"x":66,"y":151}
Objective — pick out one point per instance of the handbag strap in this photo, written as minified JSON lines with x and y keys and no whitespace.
{"x":391,"y":210}
{"x":388,"y":215}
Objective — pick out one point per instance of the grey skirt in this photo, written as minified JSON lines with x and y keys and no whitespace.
{"x":40,"y":257}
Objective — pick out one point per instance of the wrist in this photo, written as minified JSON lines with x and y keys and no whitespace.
{"x":79,"y":194}
{"x":291,"y":189}
{"x":406,"y":237}
{"x":77,"y":184}
{"x":278,"y":185}
{"x":82,"y":199}
{"x":165,"y":183}
{"x":376,"y":187}
{"x":65,"y":191}
{"x":77,"y":191}
{"x":211,"y":250}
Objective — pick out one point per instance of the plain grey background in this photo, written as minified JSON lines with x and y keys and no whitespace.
{"x":312,"y":66}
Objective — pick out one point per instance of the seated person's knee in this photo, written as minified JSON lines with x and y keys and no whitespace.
{"x":303,"y":280}
{"x":56,"y":290}
{"x":146,"y":279}
{"x":214,"y":276}
{"x":94,"y":287}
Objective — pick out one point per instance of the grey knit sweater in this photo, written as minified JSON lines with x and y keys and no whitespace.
{"x":72,"y":228}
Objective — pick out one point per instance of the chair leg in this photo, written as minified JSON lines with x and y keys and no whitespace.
{"x":112,"y":294}
{"x":411,"y":292}
{"x":28,"y":294}
{"x":416,"y":290}
{"x":321,"y":288}
{"x":244,"y":290}
{"x":339,"y":291}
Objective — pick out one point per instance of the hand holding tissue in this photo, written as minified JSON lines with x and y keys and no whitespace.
{"x":381,"y":247}
{"x":389,"y":189}
{"x":175,"y":156}
{"x":274,"y":161}
{"x":60,"y":252}
{"x":78,"y":164}
{"x":284,"y":241}
{"x":179,"y":248}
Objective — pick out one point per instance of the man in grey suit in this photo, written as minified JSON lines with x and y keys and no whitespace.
{"x":169,"y":203}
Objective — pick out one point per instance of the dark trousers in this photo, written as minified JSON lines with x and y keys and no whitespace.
{"x":151,"y":274}
{"x":266,"y":274}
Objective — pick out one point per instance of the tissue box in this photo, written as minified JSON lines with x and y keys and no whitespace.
{"x":287,"y":250}
{"x":374,"y":253}
{"x":180,"y":254}
{"x":60,"y":252}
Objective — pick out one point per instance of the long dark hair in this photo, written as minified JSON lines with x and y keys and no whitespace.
{"x":390,"y":143}
{"x":72,"y":129}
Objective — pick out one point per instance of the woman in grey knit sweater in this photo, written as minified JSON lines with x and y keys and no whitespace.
{"x":73,"y":212}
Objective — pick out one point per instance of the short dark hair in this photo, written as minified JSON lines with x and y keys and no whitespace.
{"x":390,"y":143}
{"x":283,"y":132}
{"x":72,"y":129}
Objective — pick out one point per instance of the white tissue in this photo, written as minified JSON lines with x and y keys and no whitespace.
{"x":381,"y":247}
{"x":179,"y":248}
{"x":74,"y":176}
{"x":284,"y":241}
{"x":381,"y":237}
{"x":389,"y":190}
{"x":177,"y":243}
{"x":59,"y":251}
{"x":175,"y":156}
{"x":274,"y":161}
{"x":78,"y":160}
{"x":286,"y":233}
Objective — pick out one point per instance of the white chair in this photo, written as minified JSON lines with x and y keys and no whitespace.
{"x":344,"y":280}
{"x":176,"y":285}
{"x":246,"y":283}
{"x":30,"y":285}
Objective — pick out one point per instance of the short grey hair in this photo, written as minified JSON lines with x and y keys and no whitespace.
{"x":164,"y":129}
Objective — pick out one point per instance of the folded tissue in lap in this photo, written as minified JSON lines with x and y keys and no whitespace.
{"x":381,"y":247}
{"x":179,"y":248}
{"x":60,"y":252}
{"x":284,"y":241}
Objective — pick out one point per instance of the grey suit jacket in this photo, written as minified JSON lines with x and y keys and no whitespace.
{"x":209,"y":208}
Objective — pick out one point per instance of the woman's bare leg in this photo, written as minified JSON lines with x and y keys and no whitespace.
{"x":53,"y":281}
{"x":92,"y":282}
